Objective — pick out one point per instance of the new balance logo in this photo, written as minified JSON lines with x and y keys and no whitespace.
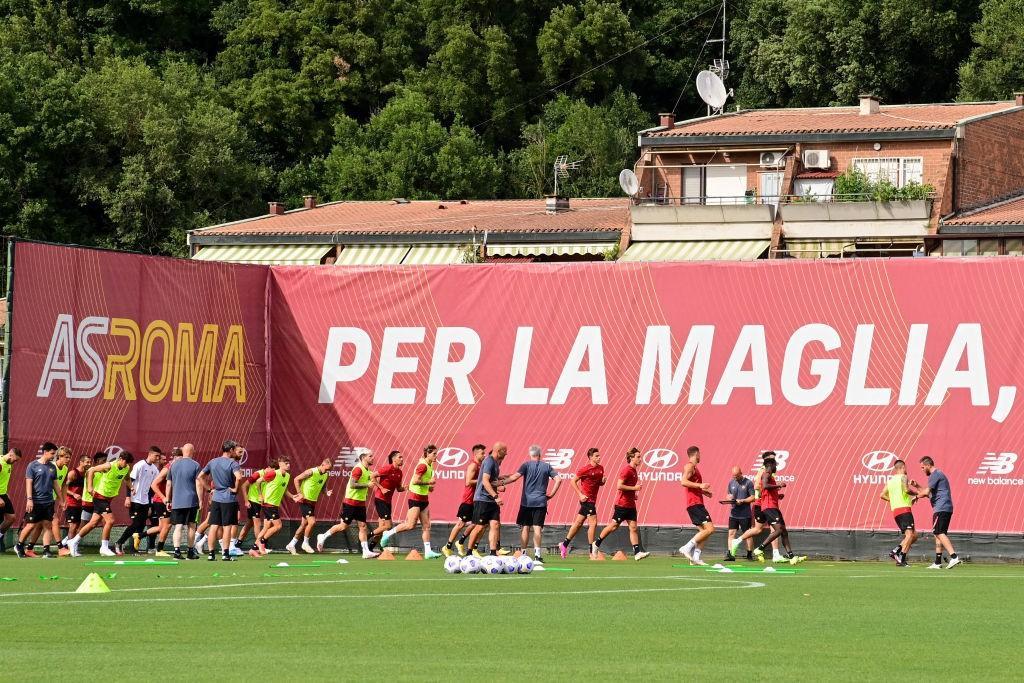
{"x":558,"y":458}
{"x":348,"y":457}
{"x":781,"y":458}
{"x":997,"y":463}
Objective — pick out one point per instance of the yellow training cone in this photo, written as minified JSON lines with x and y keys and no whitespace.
{"x":93,"y":584}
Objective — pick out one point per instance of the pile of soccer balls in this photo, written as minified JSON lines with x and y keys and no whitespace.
{"x":488,"y":565}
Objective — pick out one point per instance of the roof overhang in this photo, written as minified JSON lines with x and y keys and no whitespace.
{"x":691,"y":141}
{"x":464,"y":237}
{"x":981,"y":229}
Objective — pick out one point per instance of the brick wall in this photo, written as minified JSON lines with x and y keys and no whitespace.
{"x":990,"y":162}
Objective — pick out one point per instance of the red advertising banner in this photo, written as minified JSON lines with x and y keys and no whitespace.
{"x":118,"y":352}
{"x":841,"y":367}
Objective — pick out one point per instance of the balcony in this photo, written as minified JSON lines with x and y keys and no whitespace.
{"x":702,"y":218}
{"x":833,"y":216}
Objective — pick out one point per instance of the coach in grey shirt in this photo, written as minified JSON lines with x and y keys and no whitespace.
{"x":741,"y":495}
{"x":533,"y":505}
{"x":183,"y":499}
{"x":942,"y":511}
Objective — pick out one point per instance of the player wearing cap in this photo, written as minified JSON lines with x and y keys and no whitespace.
{"x":107,"y":488}
{"x":770,"y":497}
{"x":274,"y":492}
{"x":588,"y":482}
{"x":6,"y":506}
{"x":464,"y":515}
{"x":41,"y":491}
{"x":353,"y":505}
{"x":900,"y":495}
{"x":628,"y":485}
{"x":696,"y":491}
{"x":308,"y":487}
{"x":420,"y":486}
{"x":389,"y":481}
{"x":941,"y":498}
{"x":222,"y":475}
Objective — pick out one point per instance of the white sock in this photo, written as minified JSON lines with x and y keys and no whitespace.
{"x":291,"y":543}
{"x":327,"y":534}
{"x":234,"y":543}
{"x":536,"y":551}
{"x":76,"y":539}
{"x":201,"y":538}
{"x":689,"y":545}
{"x":426,"y":546}
{"x":365,"y":545}
{"x":105,"y":545}
{"x":696,"y":554}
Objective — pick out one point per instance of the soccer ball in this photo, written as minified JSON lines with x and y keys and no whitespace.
{"x":452,"y":565}
{"x":509,"y":565}
{"x":469,"y":565}
{"x":525,"y":565}
{"x":491,"y":565}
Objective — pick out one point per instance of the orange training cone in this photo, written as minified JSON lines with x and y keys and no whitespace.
{"x":619,"y":556}
{"x":414,"y":555}
{"x":597,"y":557}
{"x":386,"y":555}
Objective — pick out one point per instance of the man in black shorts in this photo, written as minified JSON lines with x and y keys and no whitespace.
{"x":464,"y":515}
{"x":41,"y":491}
{"x":389,"y":482}
{"x":696,"y":490}
{"x":6,"y":506}
{"x":487,"y":500}
{"x":628,"y":485}
{"x":741,"y":495}
{"x":223,"y":476}
{"x":533,"y":505}
{"x":183,"y":500}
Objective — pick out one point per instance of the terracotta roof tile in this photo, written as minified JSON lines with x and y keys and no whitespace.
{"x":902,"y":117}
{"x":1007,"y":212}
{"x":515,"y":215}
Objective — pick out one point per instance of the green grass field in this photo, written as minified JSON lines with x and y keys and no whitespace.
{"x":408,"y":620}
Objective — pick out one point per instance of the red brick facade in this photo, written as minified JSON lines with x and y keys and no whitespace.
{"x":991,"y":160}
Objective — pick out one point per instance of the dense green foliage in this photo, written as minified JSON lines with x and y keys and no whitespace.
{"x":125,"y":123}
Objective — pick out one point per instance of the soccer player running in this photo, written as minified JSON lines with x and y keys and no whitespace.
{"x":942,"y":511}
{"x":107,"y":488}
{"x":487,"y":500}
{"x":696,"y":490}
{"x":273,"y":493}
{"x":353,"y":505}
{"x":389,"y":480}
{"x":183,"y":500}
{"x":588,"y":482}
{"x":143,"y":474}
{"x":252,"y":491}
{"x":159,"y":511}
{"x":223,"y":476}
{"x":628,"y":485}
{"x":464,"y":515}
{"x":751,"y":534}
{"x":741,"y":495}
{"x":308,"y":487}
{"x":74,"y":489}
{"x":770,"y":497}
{"x":900,"y":496}
{"x":41,"y":491}
{"x":533,"y":504}
{"x":7,"y":461}
{"x":420,"y":486}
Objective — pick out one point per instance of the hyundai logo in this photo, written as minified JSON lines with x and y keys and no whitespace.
{"x":245,"y":456}
{"x":879,"y":461}
{"x":660,"y":458}
{"x":113,"y":452}
{"x":452,"y":457}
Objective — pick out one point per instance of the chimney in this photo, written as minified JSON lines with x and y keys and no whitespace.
{"x":309,"y":201}
{"x":1018,"y":99}
{"x":868,"y":104}
{"x":667,"y":119}
{"x":555,"y":204}
{"x":276,"y":208}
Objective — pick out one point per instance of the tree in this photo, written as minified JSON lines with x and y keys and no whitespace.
{"x":995,"y":67}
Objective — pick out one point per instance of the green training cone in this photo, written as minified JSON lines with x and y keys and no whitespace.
{"x":93,"y":584}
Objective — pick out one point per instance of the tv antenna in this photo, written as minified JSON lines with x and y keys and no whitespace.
{"x":711,"y":81}
{"x":562,"y":167}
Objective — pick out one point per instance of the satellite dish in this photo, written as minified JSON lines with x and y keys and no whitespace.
{"x":711,"y":89}
{"x":629,"y":182}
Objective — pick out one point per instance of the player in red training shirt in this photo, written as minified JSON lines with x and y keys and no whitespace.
{"x":420,"y":486}
{"x":589,"y":480}
{"x":696,"y":491}
{"x":625,"y":505}
{"x":464,"y":515}
{"x":353,"y":506}
{"x":389,"y":480}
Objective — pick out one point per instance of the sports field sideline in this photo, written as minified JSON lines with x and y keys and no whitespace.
{"x":610,"y":620}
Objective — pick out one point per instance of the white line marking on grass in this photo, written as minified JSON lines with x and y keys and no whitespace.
{"x":193,"y":598}
{"x":933,"y":574}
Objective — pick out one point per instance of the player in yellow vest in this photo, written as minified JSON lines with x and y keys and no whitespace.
{"x":900,"y":492}
{"x":106,"y":489}
{"x":353,"y":506}
{"x":420,"y":486}
{"x":252,"y":488}
{"x":6,"y":506}
{"x":308,"y":487}
{"x":271,"y":496}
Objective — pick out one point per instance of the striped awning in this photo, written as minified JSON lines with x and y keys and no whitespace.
{"x":266,"y":254}
{"x":433,"y":254}
{"x":592,"y":249}
{"x":372,"y":254}
{"x":819,"y":248}
{"x":711,"y":250}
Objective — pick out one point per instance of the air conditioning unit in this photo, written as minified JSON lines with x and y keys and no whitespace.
{"x":772,"y":159}
{"x":816,"y":158}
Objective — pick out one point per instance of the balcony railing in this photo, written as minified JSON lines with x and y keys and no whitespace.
{"x":774,"y":200}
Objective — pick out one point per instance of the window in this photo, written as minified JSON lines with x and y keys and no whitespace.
{"x":988,"y":247}
{"x":1015,"y":246}
{"x":952,"y":247}
{"x":897,"y":170}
